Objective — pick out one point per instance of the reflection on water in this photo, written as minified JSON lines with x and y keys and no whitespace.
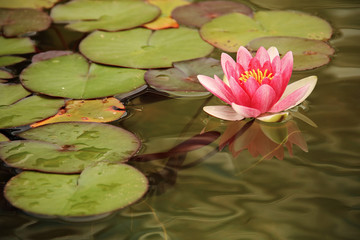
{"x":312,"y":194}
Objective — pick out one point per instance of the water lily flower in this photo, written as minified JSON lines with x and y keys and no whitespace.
{"x":256,"y":87}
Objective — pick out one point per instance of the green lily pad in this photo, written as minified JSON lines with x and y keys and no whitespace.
{"x":69,"y":147}
{"x":5,"y":74}
{"x":143,"y":48}
{"x":10,"y":60}
{"x":11,"y":93}
{"x":99,"y":189}
{"x":72,"y":76}
{"x":37,"y":4}
{"x":3,"y":138}
{"x":182,"y":78}
{"x":308,"y":54}
{"x":197,"y":14}
{"x":16,"y":46}
{"x":28,"y":110}
{"x":15,"y":22}
{"x":110,"y":15}
{"x":231,"y":31}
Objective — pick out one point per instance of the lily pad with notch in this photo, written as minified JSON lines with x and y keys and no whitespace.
{"x":231,"y":31}
{"x":15,"y":22}
{"x":181,"y":79}
{"x":72,"y":76}
{"x":69,"y":147}
{"x":110,"y":15}
{"x":308,"y":54}
{"x":143,"y":48}
{"x":199,"y":13}
{"x":77,"y":196}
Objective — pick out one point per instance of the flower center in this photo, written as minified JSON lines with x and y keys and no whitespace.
{"x":258,"y":75}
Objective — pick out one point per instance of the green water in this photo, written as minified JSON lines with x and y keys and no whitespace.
{"x":310,"y":195}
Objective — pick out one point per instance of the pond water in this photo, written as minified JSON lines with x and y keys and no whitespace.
{"x":212,"y":194}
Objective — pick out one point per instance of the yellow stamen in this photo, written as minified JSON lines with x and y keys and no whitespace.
{"x":258,"y":75}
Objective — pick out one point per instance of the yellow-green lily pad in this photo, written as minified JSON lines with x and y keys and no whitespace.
{"x":231,"y":31}
{"x":10,"y":93}
{"x":10,"y":60}
{"x":72,"y":76}
{"x":143,"y":48}
{"x":99,"y":189}
{"x":16,"y":46}
{"x":3,"y":138}
{"x":109,"y":15}
{"x":5,"y":74}
{"x":69,"y":147}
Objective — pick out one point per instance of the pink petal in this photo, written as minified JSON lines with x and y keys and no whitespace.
{"x":247,"y":112}
{"x":243,"y":57}
{"x":279,"y":85}
{"x":262,"y":55}
{"x":311,"y":81}
{"x":287,"y":65}
{"x":273,"y":52}
{"x":263,"y":98}
{"x":217,"y":87}
{"x":254,"y":64}
{"x":242,"y":98}
{"x":276,"y":65}
{"x":223,"y":112}
{"x":250,"y":86}
{"x":228,"y":65}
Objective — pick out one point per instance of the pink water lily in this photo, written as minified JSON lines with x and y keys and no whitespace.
{"x":256,"y":87}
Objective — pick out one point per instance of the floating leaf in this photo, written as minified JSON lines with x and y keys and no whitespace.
{"x":3,"y":138}
{"x":99,"y":189}
{"x":21,"y":21}
{"x":110,"y":15}
{"x":16,"y":46}
{"x":37,"y":4}
{"x":143,"y":48}
{"x":182,"y":78}
{"x":10,"y":93}
{"x":231,"y":31}
{"x":28,"y":110}
{"x":165,"y":20}
{"x":308,"y":54}
{"x":48,"y":55}
{"x":10,"y":60}
{"x":69,"y":147}
{"x":197,"y":14}
{"x":72,"y":76}
{"x":5,"y":74}
{"x":97,"y":110}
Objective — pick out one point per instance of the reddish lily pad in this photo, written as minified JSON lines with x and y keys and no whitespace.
{"x":37,"y":4}
{"x":231,"y":31}
{"x":99,"y":189}
{"x":165,"y":20}
{"x":48,"y":55}
{"x":16,"y":46}
{"x":10,"y":60}
{"x":72,"y":76}
{"x":69,"y":147}
{"x":182,"y":78}
{"x":143,"y":48}
{"x":308,"y":54}
{"x":11,"y":93}
{"x":110,"y":15}
{"x":5,"y":74}
{"x":15,"y":22}
{"x":96,"y":110}
{"x":197,"y":14}
{"x":28,"y":110}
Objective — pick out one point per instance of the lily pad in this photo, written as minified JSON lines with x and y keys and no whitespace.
{"x":28,"y":110}
{"x":15,"y":22}
{"x":5,"y":74}
{"x":10,"y":93}
{"x":96,"y":110}
{"x":3,"y":138}
{"x":231,"y":31}
{"x":37,"y":4}
{"x":16,"y":46}
{"x":165,"y":20}
{"x":110,"y":15}
{"x":99,"y":189}
{"x":10,"y":60}
{"x":197,"y":14}
{"x":143,"y":48}
{"x":72,"y":76}
{"x":182,"y":78}
{"x":308,"y":54}
{"x":69,"y":147}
